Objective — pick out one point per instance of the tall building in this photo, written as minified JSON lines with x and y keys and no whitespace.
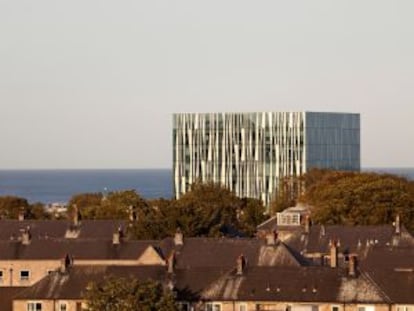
{"x":249,"y":153}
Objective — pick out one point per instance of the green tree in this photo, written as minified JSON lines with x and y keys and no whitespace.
{"x":37,"y":211}
{"x":206,"y":210}
{"x":87,"y":203}
{"x":11,"y":206}
{"x":128,"y":294}
{"x":354,"y":198}
{"x":116,"y":205}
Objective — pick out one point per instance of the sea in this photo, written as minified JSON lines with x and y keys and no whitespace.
{"x":58,"y":186}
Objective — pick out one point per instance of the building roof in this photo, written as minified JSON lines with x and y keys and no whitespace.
{"x":211,"y":252}
{"x":392,"y":269}
{"x":78,"y":249}
{"x":71,"y":285}
{"x":304,"y":284}
{"x":7,"y":295}
{"x":204,"y":268}
{"x":44,"y":229}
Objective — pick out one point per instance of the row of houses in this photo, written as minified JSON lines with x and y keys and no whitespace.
{"x":48,"y":265}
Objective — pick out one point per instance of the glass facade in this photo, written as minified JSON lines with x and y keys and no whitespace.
{"x":250,"y":152}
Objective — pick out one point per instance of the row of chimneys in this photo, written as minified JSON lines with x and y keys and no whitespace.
{"x":333,"y":259}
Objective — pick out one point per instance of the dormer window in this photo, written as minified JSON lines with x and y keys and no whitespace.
{"x":63,"y":306}
{"x":213,"y":306}
{"x":34,"y":306}
{"x":24,"y":275}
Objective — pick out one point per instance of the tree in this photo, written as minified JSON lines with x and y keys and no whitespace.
{"x":128,"y":294}
{"x":354,"y":198}
{"x":87,"y":203}
{"x":206,"y":210}
{"x":11,"y":206}
{"x":116,"y":205}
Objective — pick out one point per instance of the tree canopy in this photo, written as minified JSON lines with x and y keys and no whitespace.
{"x":115,"y":205}
{"x":12,"y":206}
{"x":128,"y":294}
{"x":206,"y":210}
{"x":354,"y":198}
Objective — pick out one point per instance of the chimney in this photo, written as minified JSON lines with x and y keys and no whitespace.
{"x":307,"y":224}
{"x":117,"y":236}
{"x":241,"y":263}
{"x":21,"y":214}
{"x":26,"y":236}
{"x":171,"y":262}
{"x":65,"y":263}
{"x":334,"y":255}
{"x":352,"y":266}
{"x":271,"y":238}
{"x":132,"y":214}
{"x":323,"y":230}
{"x":397,"y":225}
{"x":178,"y":238}
{"x":76,"y":215}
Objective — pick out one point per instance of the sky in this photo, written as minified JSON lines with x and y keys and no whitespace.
{"x":93,"y":84}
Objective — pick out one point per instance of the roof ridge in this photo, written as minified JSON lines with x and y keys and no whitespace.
{"x":377,"y":287}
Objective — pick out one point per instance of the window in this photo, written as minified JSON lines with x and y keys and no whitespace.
{"x":63,"y":306}
{"x":242,"y":307}
{"x":183,"y":306}
{"x":34,"y":306}
{"x":1,"y":276}
{"x":366,"y":308}
{"x":335,"y":308}
{"x":24,"y":275}
{"x":213,"y":306}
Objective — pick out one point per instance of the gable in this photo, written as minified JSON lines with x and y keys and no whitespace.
{"x":150,"y":257}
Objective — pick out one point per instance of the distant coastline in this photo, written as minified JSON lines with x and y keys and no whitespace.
{"x":57,"y":186}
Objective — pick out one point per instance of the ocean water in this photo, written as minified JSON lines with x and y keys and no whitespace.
{"x":50,"y":186}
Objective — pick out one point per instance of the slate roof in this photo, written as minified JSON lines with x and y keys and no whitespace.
{"x":223,"y":252}
{"x":350,"y":239}
{"x":41,"y":229}
{"x":78,"y":249}
{"x":71,"y":285}
{"x":305,"y":284}
{"x":392,"y":269}
{"x":205,"y":267}
{"x":6,"y":297}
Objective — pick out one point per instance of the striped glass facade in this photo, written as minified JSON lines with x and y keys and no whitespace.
{"x":250,"y":152}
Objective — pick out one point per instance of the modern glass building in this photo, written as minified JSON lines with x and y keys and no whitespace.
{"x":249,"y":153}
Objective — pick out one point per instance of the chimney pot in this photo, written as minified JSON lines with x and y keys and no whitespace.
{"x":323,"y":230}
{"x":171,"y":262}
{"x":116,"y":238}
{"x":397,"y":224}
{"x":352,"y":266}
{"x":132,"y":214}
{"x":76,"y":215}
{"x":21,"y":215}
{"x":65,"y":263}
{"x":241,"y":263}
{"x":334,"y":255}
{"x":26,"y":236}
{"x":271,"y":238}
{"x":178,"y":237}
{"x":307,"y":224}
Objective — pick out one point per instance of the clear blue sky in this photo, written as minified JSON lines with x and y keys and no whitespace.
{"x":93,"y":84}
